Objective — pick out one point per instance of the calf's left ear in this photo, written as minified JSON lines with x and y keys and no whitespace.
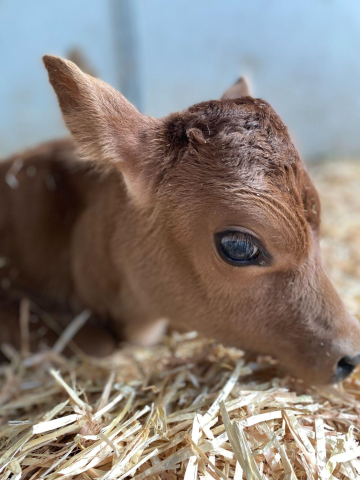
{"x":239,"y":89}
{"x":107,"y":128}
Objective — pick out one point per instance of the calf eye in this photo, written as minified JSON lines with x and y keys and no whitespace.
{"x":240,"y":248}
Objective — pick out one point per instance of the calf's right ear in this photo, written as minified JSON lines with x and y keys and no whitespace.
{"x":107,"y":128}
{"x":239,"y":89}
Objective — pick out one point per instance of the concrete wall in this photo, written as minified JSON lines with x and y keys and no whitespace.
{"x":302,"y":56}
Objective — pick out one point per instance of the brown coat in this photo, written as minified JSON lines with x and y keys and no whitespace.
{"x":132,"y":232}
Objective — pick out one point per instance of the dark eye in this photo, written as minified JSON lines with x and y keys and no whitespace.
{"x":239,"y":248}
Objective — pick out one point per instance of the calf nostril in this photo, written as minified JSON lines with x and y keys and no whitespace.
{"x":346,"y":366}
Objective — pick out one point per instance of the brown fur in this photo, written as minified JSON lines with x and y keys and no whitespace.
{"x":129,"y":232}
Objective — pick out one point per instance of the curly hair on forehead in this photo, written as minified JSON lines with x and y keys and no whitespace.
{"x":244,"y":113}
{"x":245,"y":123}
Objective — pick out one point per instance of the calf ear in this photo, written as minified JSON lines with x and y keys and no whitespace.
{"x":107,"y":128}
{"x":239,"y":89}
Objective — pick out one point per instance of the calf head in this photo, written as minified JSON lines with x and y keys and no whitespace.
{"x":223,"y":223}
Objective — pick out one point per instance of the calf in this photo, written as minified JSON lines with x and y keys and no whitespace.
{"x":206,"y":218}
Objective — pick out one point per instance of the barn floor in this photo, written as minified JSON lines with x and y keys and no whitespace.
{"x":190,"y":408}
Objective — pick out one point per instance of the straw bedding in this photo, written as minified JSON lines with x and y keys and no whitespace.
{"x":189,"y":408}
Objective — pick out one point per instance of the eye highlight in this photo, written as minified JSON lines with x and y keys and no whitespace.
{"x":240,"y":249}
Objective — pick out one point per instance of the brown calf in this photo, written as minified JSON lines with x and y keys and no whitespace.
{"x":206,"y":218}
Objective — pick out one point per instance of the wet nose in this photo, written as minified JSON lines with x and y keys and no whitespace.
{"x":345,"y":367}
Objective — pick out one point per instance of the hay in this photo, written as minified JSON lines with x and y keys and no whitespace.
{"x":188,"y":408}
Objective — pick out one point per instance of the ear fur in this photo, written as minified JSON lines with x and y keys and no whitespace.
{"x":239,"y":89}
{"x":107,"y":127}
